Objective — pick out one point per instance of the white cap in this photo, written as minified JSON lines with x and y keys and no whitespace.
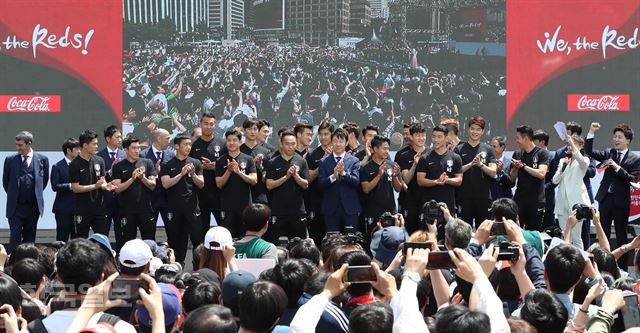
{"x":217,"y":238}
{"x":155,"y":264}
{"x":135,"y":253}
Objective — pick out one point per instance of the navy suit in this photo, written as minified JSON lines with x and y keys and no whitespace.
{"x":614,"y":193}
{"x":340,"y":201}
{"x":591,"y":172}
{"x":159,"y":203}
{"x":110,"y":202}
{"x":25,"y":201}
{"x":65,"y":200}
{"x":501,"y":185}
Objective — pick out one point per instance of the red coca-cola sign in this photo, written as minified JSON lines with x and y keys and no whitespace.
{"x":29,"y":103}
{"x":611,"y":102}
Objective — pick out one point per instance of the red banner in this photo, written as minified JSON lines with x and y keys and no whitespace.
{"x":29,"y":103}
{"x":610,"y":102}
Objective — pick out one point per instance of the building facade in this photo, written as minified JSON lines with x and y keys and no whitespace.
{"x":185,"y":14}
{"x":228,"y":14}
{"x":317,"y":22}
{"x":379,"y":8}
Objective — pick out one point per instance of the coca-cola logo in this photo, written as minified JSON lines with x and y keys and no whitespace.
{"x":30,"y":103}
{"x":610,"y":102}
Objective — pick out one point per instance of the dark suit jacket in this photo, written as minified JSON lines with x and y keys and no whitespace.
{"x":344,"y":190}
{"x":629,"y":170}
{"x":158,"y":197}
{"x":11,"y":176}
{"x":501,"y":187}
{"x":591,"y":171}
{"x":65,"y":199}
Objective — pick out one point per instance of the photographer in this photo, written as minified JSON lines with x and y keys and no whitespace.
{"x":571,"y":188}
{"x":507,"y":210}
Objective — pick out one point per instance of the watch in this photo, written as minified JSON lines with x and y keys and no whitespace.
{"x":413,"y":276}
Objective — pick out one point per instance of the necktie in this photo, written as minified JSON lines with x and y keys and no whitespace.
{"x":159,"y":155}
{"x":619,"y":157}
{"x":25,"y":162}
{"x":113,"y":156}
{"x":338,"y":158}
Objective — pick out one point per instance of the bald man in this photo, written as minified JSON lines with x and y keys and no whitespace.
{"x":159,"y":154}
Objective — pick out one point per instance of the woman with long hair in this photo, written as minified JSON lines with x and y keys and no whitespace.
{"x":571,"y":188}
{"x":218,"y":252}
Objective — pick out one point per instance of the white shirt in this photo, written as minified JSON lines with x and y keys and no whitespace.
{"x":29,"y":158}
{"x":156,"y":151}
{"x":335,"y":157}
{"x":67,"y":160}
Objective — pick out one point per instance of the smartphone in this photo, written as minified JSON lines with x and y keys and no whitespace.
{"x":440,"y":260}
{"x":416,"y":245}
{"x":498,"y":229}
{"x":125,"y":288}
{"x":631,"y":312}
{"x":360,"y":274}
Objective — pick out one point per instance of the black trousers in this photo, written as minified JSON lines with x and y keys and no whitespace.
{"x":412,"y":211}
{"x":286,"y":225}
{"x":531,"y":214}
{"x":99,"y":223}
{"x":23,"y":225}
{"x":64,"y":226}
{"x":131,"y":222}
{"x":476,"y":210}
{"x":205,"y":216}
{"x":182,"y":224}
{"x":232,"y":220}
{"x":315,"y":224}
{"x":614,"y":212}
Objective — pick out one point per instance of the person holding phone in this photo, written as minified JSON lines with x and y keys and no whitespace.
{"x":135,"y":178}
{"x":571,"y":189}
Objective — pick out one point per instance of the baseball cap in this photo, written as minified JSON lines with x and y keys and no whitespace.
{"x":155,"y":264}
{"x":386,"y":242}
{"x":135,"y":253}
{"x":207,"y":275}
{"x":171,"y":305}
{"x":103,"y":241}
{"x":234,"y":284}
{"x":159,"y":250}
{"x":168,"y":270}
{"x":217,"y":238}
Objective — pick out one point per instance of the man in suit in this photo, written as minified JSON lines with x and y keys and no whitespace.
{"x":501,"y":185}
{"x":541,"y":139}
{"x":339,"y":179}
{"x":623,"y":166}
{"x":65,"y":200}
{"x":572,"y":128}
{"x":25,"y":176}
{"x":159,"y":155}
{"x":112,"y":154}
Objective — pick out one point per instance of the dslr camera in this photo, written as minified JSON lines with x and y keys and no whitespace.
{"x":582,"y":211}
{"x":431,"y":211}
{"x":387,"y":220}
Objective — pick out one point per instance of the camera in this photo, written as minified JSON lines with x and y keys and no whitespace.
{"x":431,"y":211}
{"x":387,"y":220}
{"x":582,"y":211}
{"x":568,"y":154}
{"x":508,"y":251}
{"x":353,"y":237}
{"x":283,"y":242}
